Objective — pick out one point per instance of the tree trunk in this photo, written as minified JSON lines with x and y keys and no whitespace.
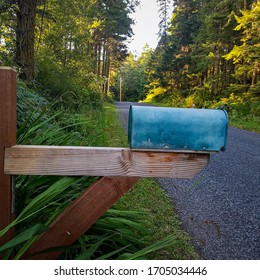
{"x":245,"y":4}
{"x":26,"y":17}
{"x":104,"y":59}
{"x":107,"y":71}
{"x":254,"y":77}
{"x":99,"y":59}
{"x":95,"y":58}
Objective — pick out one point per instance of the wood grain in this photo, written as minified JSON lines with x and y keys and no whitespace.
{"x":80,"y":216}
{"x":7,"y":138}
{"x":97,"y":161}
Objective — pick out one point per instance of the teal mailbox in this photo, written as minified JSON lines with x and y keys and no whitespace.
{"x":159,"y":128}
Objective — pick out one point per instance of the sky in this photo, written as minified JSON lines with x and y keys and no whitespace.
{"x":146,"y":27}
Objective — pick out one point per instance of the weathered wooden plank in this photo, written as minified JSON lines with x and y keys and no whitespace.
{"x":96,"y":161}
{"x":7,"y":138}
{"x":80,"y":216}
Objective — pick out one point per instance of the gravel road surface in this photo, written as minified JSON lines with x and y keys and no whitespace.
{"x":220,"y":207}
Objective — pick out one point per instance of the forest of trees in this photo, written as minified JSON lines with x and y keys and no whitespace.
{"x":63,"y":45}
{"x":207,"y":53}
{"x":210,"y":49}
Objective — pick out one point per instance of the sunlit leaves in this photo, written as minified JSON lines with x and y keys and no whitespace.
{"x":247,"y":54}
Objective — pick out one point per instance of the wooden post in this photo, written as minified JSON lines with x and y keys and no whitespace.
{"x":7,"y":139}
{"x":77,"y":218}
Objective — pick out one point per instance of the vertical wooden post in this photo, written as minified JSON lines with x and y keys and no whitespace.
{"x":7,"y":139}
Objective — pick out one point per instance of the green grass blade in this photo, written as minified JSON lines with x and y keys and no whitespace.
{"x":110,"y":254}
{"x":25,"y":247}
{"x":42,"y":201}
{"x":90,"y":251}
{"x":166,"y":242}
{"x":47,"y":196}
{"x":24,"y":236}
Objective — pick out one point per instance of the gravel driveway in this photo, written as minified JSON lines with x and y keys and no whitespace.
{"x":220,"y":207}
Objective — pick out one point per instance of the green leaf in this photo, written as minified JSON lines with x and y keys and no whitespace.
{"x":24,"y":236}
{"x":110,"y":254}
{"x":166,"y":242}
{"x":42,"y":201}
{"x":46,"y":197}
{"x":90,"y":251}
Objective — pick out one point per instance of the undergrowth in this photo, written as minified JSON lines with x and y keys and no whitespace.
{"x":243,"y":108}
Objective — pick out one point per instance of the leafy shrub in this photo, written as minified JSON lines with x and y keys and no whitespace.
{"x":68,"y":87}
{"x":27,"y":102}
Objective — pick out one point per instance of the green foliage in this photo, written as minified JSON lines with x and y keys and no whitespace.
{"x":69,"y":48}
{"x":134,"y":78}
{"x":26,"y":235}
{"x":67,"y":87}
{"x":27,"y":102}
{"x":39,"y":199}
{"x":161,"y":219}
{"x":244,"y":110}
{"x":210,"y":56}
{"x":116,"y":233}
{"x":246,"y":55}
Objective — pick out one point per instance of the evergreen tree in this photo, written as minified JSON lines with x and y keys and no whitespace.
{"x":194,"y":58}
{"x":165,"y":9}
{"x":246,"y":54}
